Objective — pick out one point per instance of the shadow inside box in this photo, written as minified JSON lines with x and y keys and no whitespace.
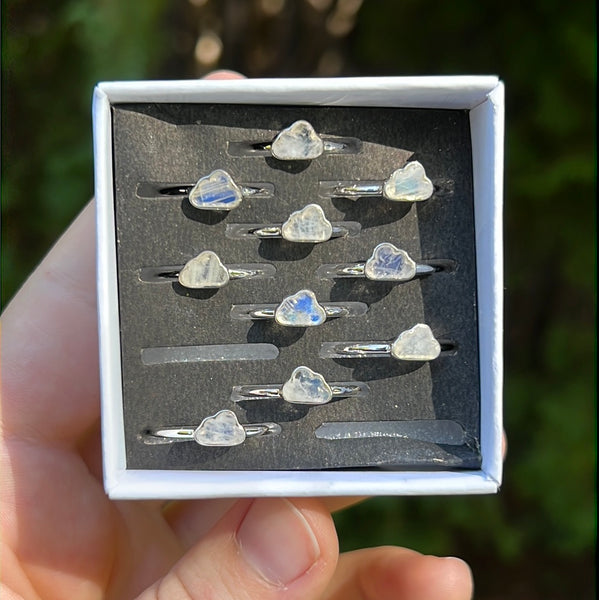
{"x":372,"y":369}
{"x":207,"y":217}
{"x":288,"y":166}
{"x":270,"y":332}
{"x":272,"y":409}
{"x":277,"y":409}
{"x":198,"y":294}
{"x":279,"y":249}
{"x":371,"y":212}
{"x":360,"y":290}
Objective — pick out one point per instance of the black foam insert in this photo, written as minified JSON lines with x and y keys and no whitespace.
{"x":179,"y":143}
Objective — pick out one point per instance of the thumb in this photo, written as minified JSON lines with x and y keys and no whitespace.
{"x":268,"y":548}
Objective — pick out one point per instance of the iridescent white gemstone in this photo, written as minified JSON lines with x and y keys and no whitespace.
{"x":222,"y":429}
{"x":409,"y":184}
{"x":417,"y":343}
{"x":204,"y":271}
{"x":299,"y":141}
{"x":300,"y":310}
{"x":308,"y":225}
{"x":216,"y":191}
{"x":389,"y":263}
{"x":306,"y":387}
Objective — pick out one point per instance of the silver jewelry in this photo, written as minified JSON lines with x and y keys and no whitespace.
{"x":415,"y":344}
{"x":305,"y":386}
{"x":218,"y":191}
{"x":215,"y":191}
{"x":386,"y":263}
{"x":299,"y":141}
{"x":301,"y":309}
{"x":308,"y":225}
{"x":221,"y":429}
{"x":407,"y":184}
{"x":206,"y":271}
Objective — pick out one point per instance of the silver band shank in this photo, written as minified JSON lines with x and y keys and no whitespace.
{"x":350,"y":270}
{"x":171,"y":272}
{"x":186,"y":434}
{"x":268,"y":392}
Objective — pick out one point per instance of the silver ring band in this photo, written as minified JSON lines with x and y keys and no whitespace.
{"x":299,"y":141}
{"x":387,"y":263}
{"x":221,"y":429}
{"x":415,"y":344}
{"x":407,"y":184}
{"x":215,"y":191}
{"x":304,"y":386}
{"x":301,"y":309}
{"x":277,"y":232}
{"x":186,"y":434}
{"x":307,"y":225}
{"x":205,"y":271}
{"x":332,"y":312}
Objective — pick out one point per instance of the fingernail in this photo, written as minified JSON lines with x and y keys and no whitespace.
{"x":451,"y":559}
{"x":276,"y":541}
{"x":461,"y":574}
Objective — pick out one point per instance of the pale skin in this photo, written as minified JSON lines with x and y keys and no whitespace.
{"x":62,"y":537}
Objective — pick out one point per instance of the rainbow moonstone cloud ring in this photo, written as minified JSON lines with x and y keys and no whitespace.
{"x":221,"y":429}
{"x":298,"y":141}
{"x":218,"y":191}
{"x":304,"y":386}
{"x":215,"y":191}
{"x":301,"y":309}
{"x":386,"y":263}
{"x":206,"y":271}
{"x":407,"y":184}
{"x":308,"y":225}
{"x":415,"y":344}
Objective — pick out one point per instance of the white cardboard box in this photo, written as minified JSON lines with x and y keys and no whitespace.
{"x":483,"y":98}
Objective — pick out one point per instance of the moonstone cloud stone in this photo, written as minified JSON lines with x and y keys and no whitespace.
{"x":299,"y":141}
{"x":409,"y":184}
{"x":306,"y":387}
{"x":300,"y":310}
{"x":222,"y":429}
{"x":204,"y":271}
{"x":216,"y":191}
{"x":417,"y":343}
{"x":389,"y":263}
{"x":308,"y":225}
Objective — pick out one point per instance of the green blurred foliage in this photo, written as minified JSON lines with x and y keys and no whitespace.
{"x":536,"y":538}
{"x":53,"y":53}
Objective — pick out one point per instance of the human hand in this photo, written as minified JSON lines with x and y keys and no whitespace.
{"x":63,"y":538}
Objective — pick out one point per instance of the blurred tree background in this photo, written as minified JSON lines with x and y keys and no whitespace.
{"x":536,"y":538}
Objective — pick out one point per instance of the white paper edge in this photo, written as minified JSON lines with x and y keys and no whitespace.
{"x":455,"y":92}
{"x":113,"y":441}
{"x":178,"y":485}
{"x":487,"y":127}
